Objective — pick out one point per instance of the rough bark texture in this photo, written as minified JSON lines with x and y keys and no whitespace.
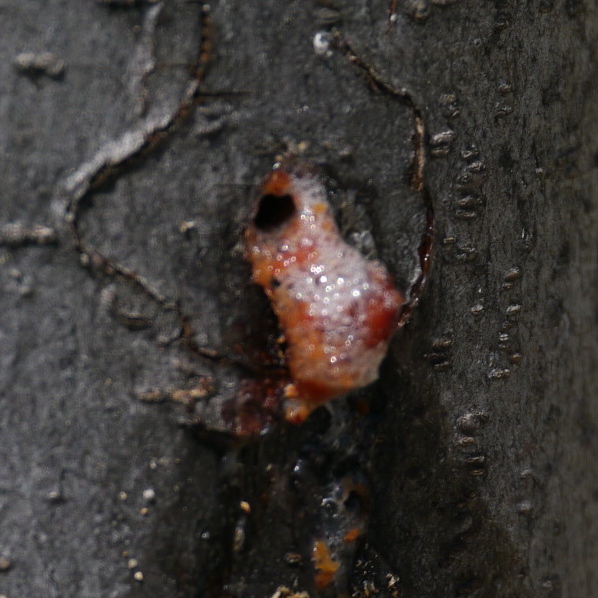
{"x":483,"y":474}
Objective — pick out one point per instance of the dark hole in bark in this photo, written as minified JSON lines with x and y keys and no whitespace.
{"x":274,"y":211}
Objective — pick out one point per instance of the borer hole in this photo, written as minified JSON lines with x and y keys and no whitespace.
{"x":273,"y":211}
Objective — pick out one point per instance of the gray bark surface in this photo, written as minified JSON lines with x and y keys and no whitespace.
{"x":483,"y":474}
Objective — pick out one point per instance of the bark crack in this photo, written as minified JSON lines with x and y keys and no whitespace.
{"x":115,"y":158}
{"x":418,"y":164}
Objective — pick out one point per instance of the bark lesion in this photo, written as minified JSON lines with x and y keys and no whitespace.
{"x":16,"y":234}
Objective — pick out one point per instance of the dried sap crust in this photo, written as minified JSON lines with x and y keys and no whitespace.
{"x":338,"y":310}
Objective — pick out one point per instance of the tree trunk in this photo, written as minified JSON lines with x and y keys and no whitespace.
{"x":131,"y":155}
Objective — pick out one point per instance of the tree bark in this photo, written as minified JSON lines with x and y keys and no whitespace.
{"x":129,"y":172}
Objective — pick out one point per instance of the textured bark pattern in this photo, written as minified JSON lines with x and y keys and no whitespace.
{"x":483,"y":473}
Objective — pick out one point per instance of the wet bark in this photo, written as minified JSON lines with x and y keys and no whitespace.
{"x":138,"y":157}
